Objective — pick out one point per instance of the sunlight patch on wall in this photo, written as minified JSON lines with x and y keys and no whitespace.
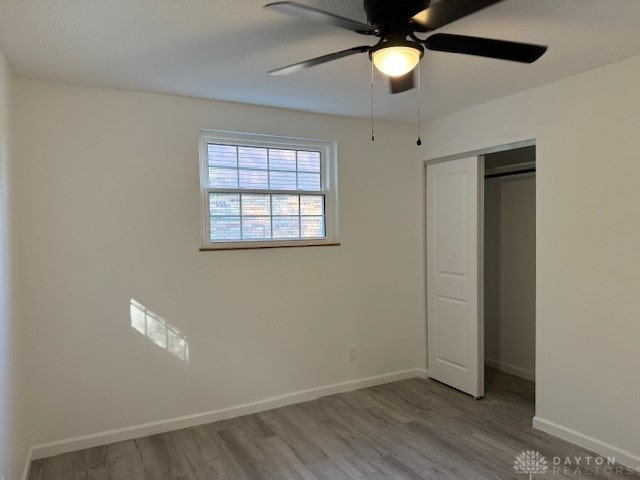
{"x":159,"y":331}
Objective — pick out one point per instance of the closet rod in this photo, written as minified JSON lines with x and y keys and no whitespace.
{"x":509,"y":174}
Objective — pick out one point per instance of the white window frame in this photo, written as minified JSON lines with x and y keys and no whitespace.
{"x":329,"y":181}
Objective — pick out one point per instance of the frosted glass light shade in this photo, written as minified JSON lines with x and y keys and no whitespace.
{"x":396,"y":61}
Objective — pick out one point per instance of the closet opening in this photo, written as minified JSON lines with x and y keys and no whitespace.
{"x":510,"y":272}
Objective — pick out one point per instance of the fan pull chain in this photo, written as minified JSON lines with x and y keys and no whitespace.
{"x":419,"y":142}
{"x":373,"y":132}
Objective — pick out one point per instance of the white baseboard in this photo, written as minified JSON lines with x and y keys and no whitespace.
{"x":623,"y":457}
{"x":512,"y":369}
{"x":104,"y":438}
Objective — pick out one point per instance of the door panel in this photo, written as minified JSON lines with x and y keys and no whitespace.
{"x":451,"y":320}
{"x":451,"y":234}
{"x":454,"y":190}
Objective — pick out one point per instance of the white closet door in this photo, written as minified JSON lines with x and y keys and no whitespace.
{"x":454,"y":200}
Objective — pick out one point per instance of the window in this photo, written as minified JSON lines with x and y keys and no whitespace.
{"x":261,"y":191}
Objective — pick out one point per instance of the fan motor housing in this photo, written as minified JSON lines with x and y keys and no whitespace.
{"x":385,"y":13}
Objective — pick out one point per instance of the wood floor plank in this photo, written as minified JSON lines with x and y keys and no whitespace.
{"x":384,"y":434}
{"x":351,"y":453}
{"x":124,"y":461}
{"x":90,"y":464}
{"x":60,"y":466}
{"x":305,"y":448}
{"x":285,"y":460}
{"x":409,"y":430}
{"x":185,"y":453}
{"x":251,"y":459}
{"x":156,"y":461}
{"x":225,"y":466}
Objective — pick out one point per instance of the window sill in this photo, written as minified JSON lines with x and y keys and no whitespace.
{"x":263,"y":246}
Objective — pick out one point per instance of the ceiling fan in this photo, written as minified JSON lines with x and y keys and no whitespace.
{"x":399,"y":49}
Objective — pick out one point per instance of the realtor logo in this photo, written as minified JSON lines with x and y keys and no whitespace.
{"x":530,"y":463}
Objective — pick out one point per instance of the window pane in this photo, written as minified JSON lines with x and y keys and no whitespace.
{"x":222,"y":155}
{"x":225,"y":229}
{"x":255,"y":158}
{"x":312,"y":205}
{"x":286,"y":205}
{"x":309,"y":181}
{"x":224,"y":204}
{"x":256,"y":205}
{"x":254,"y":179}
{"x":283,"y":180}
{"x":282,"y":160}
{"x":286,"y":227}
{"x":312,"y":227}
{"x":256,"y":228}
{"x":309,"y":162}
{"x":223,"y":177}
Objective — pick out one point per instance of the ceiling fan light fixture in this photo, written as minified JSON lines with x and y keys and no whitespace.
{"x":397,"y":59}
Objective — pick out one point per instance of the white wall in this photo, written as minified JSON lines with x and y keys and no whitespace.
{"x":588,"y":238}
{"x":13,"y":441}
{"x":109,"y":205}
{"x":510,"y":274}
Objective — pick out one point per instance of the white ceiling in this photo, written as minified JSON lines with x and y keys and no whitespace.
{"x":222,"y":50}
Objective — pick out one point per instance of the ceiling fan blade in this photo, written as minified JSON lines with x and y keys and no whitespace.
{"x":296,"y":67}
{"x":447,"y":11}
{"x":402,"y":84}
{"x":485,"y":47}
{"x":309,"y":13}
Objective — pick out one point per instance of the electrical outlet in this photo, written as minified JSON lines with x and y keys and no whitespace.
{"x":353,"y":353}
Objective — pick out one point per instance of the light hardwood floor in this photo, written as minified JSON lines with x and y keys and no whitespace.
{"x":414,"y":429}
